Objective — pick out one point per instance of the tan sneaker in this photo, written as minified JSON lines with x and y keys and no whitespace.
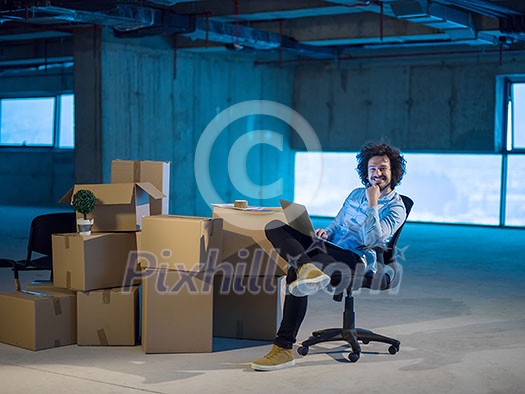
{"x":310,"y":280}
{"x":278,"y":358}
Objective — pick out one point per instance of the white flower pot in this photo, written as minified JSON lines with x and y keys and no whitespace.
{"x":84,"y":226}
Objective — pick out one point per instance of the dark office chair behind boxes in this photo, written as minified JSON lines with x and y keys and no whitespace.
{"x":40,"y":242}
{"x":379,"y":281}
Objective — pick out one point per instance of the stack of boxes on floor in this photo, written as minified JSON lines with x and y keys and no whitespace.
{"x":89,"y":271}
{"x":250,"y":284}
{"x":201,"y":277}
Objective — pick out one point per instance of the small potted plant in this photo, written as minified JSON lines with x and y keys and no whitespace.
{"x":84,"y":202}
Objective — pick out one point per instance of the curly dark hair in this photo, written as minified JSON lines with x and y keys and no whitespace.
{"x":371,"y":149}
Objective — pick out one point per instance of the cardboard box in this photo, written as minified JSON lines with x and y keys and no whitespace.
{"x":120,"y":206}
{"x":185,"y":243}
{"x":244,"y":241}
{"x":155,"y":172}
{"x":108,"y":317}
{"x":249,"y":307}
{"x":96,"y":261}
{"x":177,"y":311}
{"x":38,"y":320}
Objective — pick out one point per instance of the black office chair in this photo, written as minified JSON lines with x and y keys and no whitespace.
{"x":40,"y":242}
{"x":377,"y":281}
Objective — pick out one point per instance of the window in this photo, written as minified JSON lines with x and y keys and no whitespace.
{"x":66,"y":128}
{"x":446,"y":187}
{"x":515,"y":196}
{"x":515,"y":116}
{"x":37,"y":121}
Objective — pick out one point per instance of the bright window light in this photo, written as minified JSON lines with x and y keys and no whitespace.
{"x":66,"y":137}
{"x":453,"y":188}
{"x":339,"y":177}
{"x":27,"y":121}
{"x":446,"y":188}
{"x":515,"y":212}
{"x":31,"y":122}
{"x":518,"y":118}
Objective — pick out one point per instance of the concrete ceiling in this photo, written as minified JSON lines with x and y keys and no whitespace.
{"x":294,"y":29}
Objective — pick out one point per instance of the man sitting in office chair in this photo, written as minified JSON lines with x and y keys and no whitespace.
{"x":369,"y":217}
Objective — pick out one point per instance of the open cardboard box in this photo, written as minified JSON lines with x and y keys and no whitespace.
{"x":120,"y":206}
{"x":155,"y":172}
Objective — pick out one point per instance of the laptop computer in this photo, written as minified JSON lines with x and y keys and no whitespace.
{"x":298,"y":219}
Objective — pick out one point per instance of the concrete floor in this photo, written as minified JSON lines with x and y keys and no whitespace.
{"x":459,"y":315}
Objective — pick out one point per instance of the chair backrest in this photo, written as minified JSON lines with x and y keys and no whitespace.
{"x":389,"y":254}
{"x":43,"y":226}
{"x":380,"y":280}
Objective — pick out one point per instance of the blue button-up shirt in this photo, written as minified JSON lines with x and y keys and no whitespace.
{"x":358,"y":225}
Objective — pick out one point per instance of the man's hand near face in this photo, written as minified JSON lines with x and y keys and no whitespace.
{"x":372,"y":195}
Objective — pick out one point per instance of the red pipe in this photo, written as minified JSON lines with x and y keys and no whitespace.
{"x":394,"y":56}
{"x":381,"y":20}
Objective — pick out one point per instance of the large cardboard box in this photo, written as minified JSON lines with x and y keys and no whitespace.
{"x":248,"y":307}
{"x":155,"y":172}
{"x":120,"y":206}
{"x":244,"y":241}
{"x":177,"y":311}
{"x":186,"y":243}
{"x":96,"y":261}
{"x":108,"y":317}
{"x":38,"y":320}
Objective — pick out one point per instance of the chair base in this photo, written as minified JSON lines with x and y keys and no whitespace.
{"x":352,"y":336}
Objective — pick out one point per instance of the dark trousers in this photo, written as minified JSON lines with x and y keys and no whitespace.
{"x":298,"y":249}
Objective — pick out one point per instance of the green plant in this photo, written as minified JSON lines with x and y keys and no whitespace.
{"x":84,"y":202}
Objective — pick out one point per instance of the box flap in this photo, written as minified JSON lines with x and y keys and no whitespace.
{"x":107,"y":194}
{"x":151,"y":190}
{"x":67,"y":198}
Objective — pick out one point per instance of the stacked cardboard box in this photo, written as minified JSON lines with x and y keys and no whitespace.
{"x":250,"y":288}
{"x":40,"y":318}
{"x":97,"y":265}
{"x":108,"y":317}
{"x":120,"y":206}
{"x":179,"y":255}
{"x":155,"y":172}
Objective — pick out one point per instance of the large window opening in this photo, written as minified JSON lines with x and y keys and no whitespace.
{"x":484,"y":189}
{"x":448,"y":188}
{"x":38,"y":121}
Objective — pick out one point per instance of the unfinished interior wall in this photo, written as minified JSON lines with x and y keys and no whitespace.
{"x":431,"y":105}
{"x":155,"y":103}
{"x":35,"y":176}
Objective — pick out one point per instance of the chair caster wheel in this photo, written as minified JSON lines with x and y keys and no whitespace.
{"x":393,"y":349}
{"x":353,"y":357}
{"x":302,"y":350}
{"x":365,"y":342}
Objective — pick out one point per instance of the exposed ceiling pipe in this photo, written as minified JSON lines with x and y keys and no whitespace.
{"x":20,"y":69}
{"x":457,"y":24}
{"x":488,"y":8}
{"x":121,"y":18}
{"x":246,"y":36}
{"x":137,"y":21}
{"x":484,"y":52}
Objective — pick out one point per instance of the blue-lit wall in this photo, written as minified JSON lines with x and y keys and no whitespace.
{"x":141,"y":99}
{"x":155,"y":104}
{"x":420,"y":104}
{"x":37,"y":177}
